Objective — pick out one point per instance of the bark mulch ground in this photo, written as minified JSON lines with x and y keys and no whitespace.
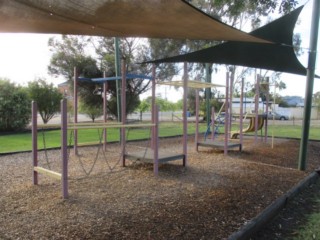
{"x":209,"y":199}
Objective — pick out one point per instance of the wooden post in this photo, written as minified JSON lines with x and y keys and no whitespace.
{"x":256,"y":109}
{"x":241,"y":113}
{"x":226,"y":119}
{"x":196,"y":138}
{"x":105,"y":88}
{"x":185,"y":124}
{"x":267,"y":110}
{"x":153,"y":100}
{"x":231,"y":98}
{"x":34,"y":141}
{"x":156,"y":141}
{"x":212,"y":124}
{"x":64,"y":148}
{"x":75,"y":105}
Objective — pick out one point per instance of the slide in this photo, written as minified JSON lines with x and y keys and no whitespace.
{"x":251,"y":126}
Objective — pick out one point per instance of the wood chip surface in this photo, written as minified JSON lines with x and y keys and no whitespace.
{"x":209,"y":199}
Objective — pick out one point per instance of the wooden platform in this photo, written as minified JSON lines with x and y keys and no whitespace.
{"x":147,"y":156}
{"x":219,"y":145}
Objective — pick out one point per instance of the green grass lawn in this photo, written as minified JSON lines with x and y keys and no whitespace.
{"x":51,"y":138}
{"x":311,"y":229}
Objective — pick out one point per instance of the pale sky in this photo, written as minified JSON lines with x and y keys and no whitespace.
{"x":25,"y":57}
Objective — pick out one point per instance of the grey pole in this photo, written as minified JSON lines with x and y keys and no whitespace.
{"x":309,"y":86}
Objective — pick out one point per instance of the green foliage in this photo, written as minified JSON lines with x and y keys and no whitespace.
{"x":72,"y":51}
{"x":92,"y":112}
{"x":213,"y":103}
{"x":15,"y":107}
{"x":165,"y":105}
{"x":145,"y":105}
{"x":47,"y":97}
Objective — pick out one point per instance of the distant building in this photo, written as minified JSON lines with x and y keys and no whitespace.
{"x":294,"y":101}
{"x":64,"y":88}
{"x":248,"y":105}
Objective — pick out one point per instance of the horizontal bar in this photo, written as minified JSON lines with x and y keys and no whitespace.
{"x":48,"y":172}
{"x":49,"y":126}
{"x":92,"y":124}
{"x":112,"y":126}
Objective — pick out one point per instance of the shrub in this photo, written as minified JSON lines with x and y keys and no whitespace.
{"x":15,"y":109}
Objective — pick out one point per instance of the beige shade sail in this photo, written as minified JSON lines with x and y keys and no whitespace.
{"x":116,"y":18}
{"x":191,"y":84}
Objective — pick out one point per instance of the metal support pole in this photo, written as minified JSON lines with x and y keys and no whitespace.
{"x":34,"y":141}
{"x":185,"y":124}
{"x":75,"y":105}
{"x":310,"y":82}
{"x":64,"y":148}
{"x":123,"y":111}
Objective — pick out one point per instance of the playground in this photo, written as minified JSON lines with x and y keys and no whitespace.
{"x":209,"y":199}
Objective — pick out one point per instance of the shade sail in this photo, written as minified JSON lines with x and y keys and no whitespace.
{"x":276,"y":57}
{"x":120,"y":18}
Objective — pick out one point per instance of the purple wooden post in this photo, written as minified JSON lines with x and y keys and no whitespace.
{"x":75,"y":105}
{"x":64,"y":149}
{"x":256,"y":109}
{"x":230,"y":100}
{"x":156,"y":141}
{"x":196,"y":139}
{"x":267,"y":109}
{"x":241,"y":112}
{"x":105,"y":88}
{"x":185,"y":124}
{"x":34,"y":141}
{"x":153,"y":101}
{"x":226,"y":120}
{"x":212,"y":124}
{"x":123,"y":111}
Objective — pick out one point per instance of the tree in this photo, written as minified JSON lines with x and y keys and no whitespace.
{"x":15,"y":106}
{"x":47,"y":97}
{"x":133,"y":50}
{"x":92,"y":112}
{"x":73,"y":51}
{"x":144,"y":106}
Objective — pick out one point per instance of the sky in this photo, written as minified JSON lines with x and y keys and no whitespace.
{"x":25,"y":57}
